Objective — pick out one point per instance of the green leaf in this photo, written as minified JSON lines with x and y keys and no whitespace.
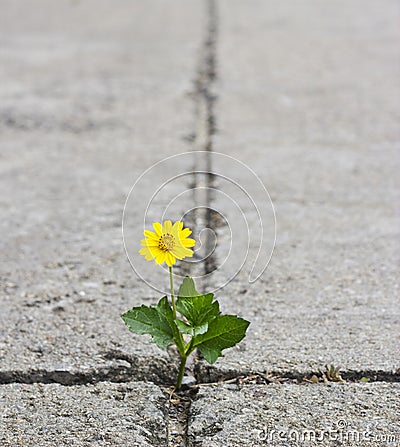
{"x":199,"y":311}
{"x":156,"y":321}
{"x":185,"y":328}
{"x":165,"y":310}
{"x":188,"y":288}
{"x":223,"y":332}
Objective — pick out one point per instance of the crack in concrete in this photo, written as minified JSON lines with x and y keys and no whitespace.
{"x":204,"y":99}
{"x":208,"y":375}
{"x":123,"y":368}
{"x":178,"y":413}
{"x":162,"y":375}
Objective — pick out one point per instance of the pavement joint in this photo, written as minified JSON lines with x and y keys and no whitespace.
{"x":206,"y":375}
{"x":203,"y":374}
{"x":178,"y":415}
{"x":204,"y":99}
{"x":124,"y":368}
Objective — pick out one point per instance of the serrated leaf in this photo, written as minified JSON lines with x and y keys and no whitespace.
{"x":223,"y":332}
{"x":186,"y":328}
{"x":188,"y":288}
{"x":199,"y":311}
{"x":164,"y":308}
{"x":156,"y":321}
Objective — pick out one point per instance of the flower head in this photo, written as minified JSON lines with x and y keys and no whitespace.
{"x":168,"y":243}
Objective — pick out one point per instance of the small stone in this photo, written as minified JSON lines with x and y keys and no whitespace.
{"x":188,"y":381}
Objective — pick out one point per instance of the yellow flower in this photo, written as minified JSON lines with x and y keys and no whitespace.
{"x":168,"y":243}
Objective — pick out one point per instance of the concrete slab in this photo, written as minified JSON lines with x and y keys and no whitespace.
{"x":308,"y":97}
{"x":103,"y":415}
{"x":91,"y":95}
{"x":293,"y":415}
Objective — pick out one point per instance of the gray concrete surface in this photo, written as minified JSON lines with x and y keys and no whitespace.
{"x":287,"y":415}
{"x":88,"y":102}
{"x":91,"y":95}
{"x":103,"y":415}
{"x":308,"y":96}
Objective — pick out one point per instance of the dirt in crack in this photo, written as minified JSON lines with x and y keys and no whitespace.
{"x":205,"y":119}
{"x":179,"y":404}
{"x":121,"y":367}
{"x":209,"y":375}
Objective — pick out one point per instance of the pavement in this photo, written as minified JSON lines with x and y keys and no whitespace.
{"x":306,"y":95}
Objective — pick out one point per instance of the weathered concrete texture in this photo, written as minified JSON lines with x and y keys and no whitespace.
{"x":91,"y":95}
{"x":294,"y":415}
{"x":131,"y":414}
{"x":308,"y":96}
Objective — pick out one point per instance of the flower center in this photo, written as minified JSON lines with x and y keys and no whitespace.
{"x":166,"y":242}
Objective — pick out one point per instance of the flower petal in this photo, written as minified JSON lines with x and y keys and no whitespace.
{"x":181,"y":252}
{"x":158,"y":228}
{"x":185,"y":233}
{"x":151,"y":235}
{"x":160,"y":258}
{"x":147,"y":253}
{"x":188,"y":242}
{"x":167,"y":227}
{"x":169,"y":259}
{"x":149,"y":243}
{"x":178,"y":225}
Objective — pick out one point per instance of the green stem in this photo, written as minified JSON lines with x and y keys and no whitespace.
{"x":181,"y":372}
{"x":188,"y":351}
{"x":189,"y":348}
{"x":171,"y":283}
{"x":180,"y":343}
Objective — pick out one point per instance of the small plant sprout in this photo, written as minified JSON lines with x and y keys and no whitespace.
{"x":200,"y":324}
{"x":331,"y":374}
